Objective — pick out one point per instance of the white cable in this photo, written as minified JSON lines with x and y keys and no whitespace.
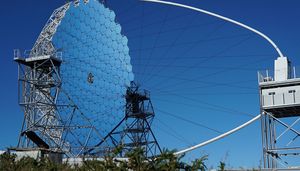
{"x":218,"y":137}
{"x":221,"y":17}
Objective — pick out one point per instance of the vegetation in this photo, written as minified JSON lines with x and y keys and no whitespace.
{"x":136,"y":161}
{"x":167,"y":161}
{"x":222,"y":166}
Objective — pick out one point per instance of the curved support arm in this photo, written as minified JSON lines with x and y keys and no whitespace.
{"x":218,"y":137}
{"x":221,"y":17}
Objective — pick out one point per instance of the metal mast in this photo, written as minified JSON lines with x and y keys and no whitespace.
{"x":134,"y":130}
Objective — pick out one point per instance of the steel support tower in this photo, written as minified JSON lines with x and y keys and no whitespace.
{"x":134,"y":130}
{"x":52,"y":121}
{"x":280,"y":115}
{"x":50,"y":125}
{"x":39,"y":89}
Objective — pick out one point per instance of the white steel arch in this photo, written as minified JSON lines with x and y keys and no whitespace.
{"x":218,"y":137}
{"x":241,"y":25}
{"x":223,"y":18}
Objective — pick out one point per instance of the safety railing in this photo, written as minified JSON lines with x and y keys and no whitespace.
{"x":268,"y":75}
{"x":26,"y":54}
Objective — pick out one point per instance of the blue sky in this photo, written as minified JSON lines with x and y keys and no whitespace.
{"x":196,"y":67}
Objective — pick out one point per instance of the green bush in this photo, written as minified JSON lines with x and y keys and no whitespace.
{"x":136,"y":161}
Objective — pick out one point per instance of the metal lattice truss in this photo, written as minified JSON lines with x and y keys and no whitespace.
{"x":49,"y":124}
{"x":43,"y":45}
{"x":134,"y":130}
{"x":41,"y":84}
{"x":280,"y":139}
